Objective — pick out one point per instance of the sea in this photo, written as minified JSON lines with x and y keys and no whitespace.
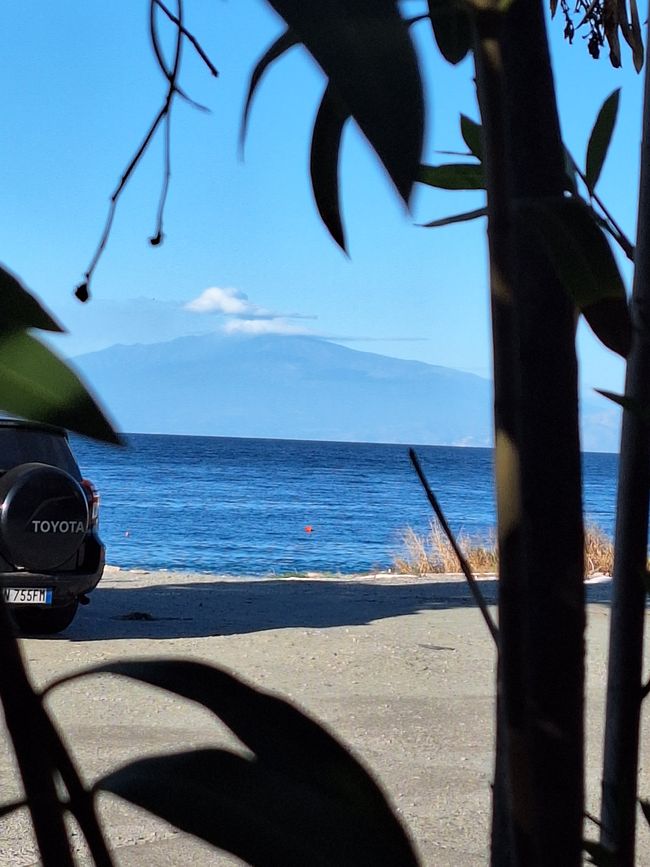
{"x":264,"y":507}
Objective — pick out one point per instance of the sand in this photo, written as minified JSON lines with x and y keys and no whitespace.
{"x":401,"y":668}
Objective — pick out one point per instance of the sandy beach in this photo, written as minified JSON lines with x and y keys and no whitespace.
{"x":401,"y":668}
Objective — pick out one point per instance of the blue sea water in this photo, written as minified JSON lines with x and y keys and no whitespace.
{"x":240,"y":506}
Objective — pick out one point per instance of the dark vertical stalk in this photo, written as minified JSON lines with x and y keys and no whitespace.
{"x":22,"y":714}
{"x":620,"y":764}
{"x":511,"y":779}
{"x":549,"y":452}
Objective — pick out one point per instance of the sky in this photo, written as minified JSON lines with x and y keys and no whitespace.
{"x":244,"y":248}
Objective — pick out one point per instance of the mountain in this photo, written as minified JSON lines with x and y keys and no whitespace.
{"x":300,"y":388}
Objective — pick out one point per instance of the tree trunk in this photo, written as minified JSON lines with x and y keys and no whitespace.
{"x":620,"y":764}
{"x":551,"y":507}
{"x":510,"y":776}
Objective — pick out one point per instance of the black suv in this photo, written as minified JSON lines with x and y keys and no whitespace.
{"x":50,"y":553}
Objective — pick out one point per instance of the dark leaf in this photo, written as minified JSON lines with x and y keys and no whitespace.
{"x":600,"y":138}
{"x":457,"y":218}
{"x":451,"y":28}
{"x":472,"y":133}
{"x":19,"y":309}
{"x":37,"y":385}
{"x":630,"y":404}
{"x":282,"y":738}
{"x":645,"y":807}
{"x":634,"y":38}
{"x":8,"y":809}
{"x":585,"y":264}
{"x":599,"y":854}
{"x":279,"y":47}
{"x":324,"y":162}
{"x":453,"y":176}
{"x":364,"y":48}
{"x":257,"y":812}
{"x":553,"y":8}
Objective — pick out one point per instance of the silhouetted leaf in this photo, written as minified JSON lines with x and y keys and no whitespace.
{"x":457,"y":218}
{"x":453,"y":176}
{"x":451,"y":28}
{"x":630,"y":404}
{"x":601,"y":135}
{"x":276,"y":50}
{"x":324,"y":162}
{"x":599,"y":854}
{"x":8,"y":809}
{"x":634,"y":37}
{"x":364,"y":48}
{"x":259,"y":813}
{"x":585,"y":264}
{"x":37,"y":385}
{"x":472,"y":133}
{"x":19,"y":309}
{"x":285,"y":741}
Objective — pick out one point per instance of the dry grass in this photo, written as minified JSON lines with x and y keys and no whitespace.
{"x":432,"y":553}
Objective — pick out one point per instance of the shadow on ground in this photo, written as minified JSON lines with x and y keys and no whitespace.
{"x":209,"y":608}
{"x":233,"y":608}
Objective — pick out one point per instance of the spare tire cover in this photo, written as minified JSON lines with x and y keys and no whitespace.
{"x":43,"y":516}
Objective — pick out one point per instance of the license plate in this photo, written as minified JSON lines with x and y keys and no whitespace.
{"x":27,"y":595}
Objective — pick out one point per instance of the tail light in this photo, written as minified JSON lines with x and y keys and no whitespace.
{"x":92,"y":494}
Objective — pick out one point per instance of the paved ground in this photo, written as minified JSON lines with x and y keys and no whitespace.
{"x":401,"y":669}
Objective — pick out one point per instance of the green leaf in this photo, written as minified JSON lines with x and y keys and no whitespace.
{"x":452,"y":29}
{"x":365,"y":49}
{"x":281,"y":45}
{"x":457,"y":218}
{"x":37,"y":385}
{"x":630,"y":404}
{"x":453,"y":176}
{"x":585,"y":264}
{"x":19,"y":309}
{"x":324,"y":162}
{"x":472,"y":134}
{"x":600,"y":138}
{"x":259,"y":813}
{"x":599,"y":854}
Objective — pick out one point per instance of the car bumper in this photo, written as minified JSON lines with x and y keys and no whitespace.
{"x":65,"y":586}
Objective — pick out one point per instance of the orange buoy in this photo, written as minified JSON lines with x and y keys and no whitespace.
{"x":308,"y":528}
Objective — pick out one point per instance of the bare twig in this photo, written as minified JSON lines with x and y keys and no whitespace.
{"x":173,"y":89}
{"x":464,"y":565}
{"x":186,"y":33}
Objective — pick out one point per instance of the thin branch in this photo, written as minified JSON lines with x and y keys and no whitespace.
{"x":186,"y":33}
{"x":173,"y":89}
{"x":619,"y":235}
{"x":593,"y":819}
{"x":464,"y":565}
{"x":158,"y":237}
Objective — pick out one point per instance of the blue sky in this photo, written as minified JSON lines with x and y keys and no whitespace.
{"x":80,"y":87}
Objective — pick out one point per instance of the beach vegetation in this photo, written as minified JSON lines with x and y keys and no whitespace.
{"x":431,"y":553}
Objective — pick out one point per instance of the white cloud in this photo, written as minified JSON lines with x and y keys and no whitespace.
{"x":263,"y":326}
{"x":229,"y":302}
